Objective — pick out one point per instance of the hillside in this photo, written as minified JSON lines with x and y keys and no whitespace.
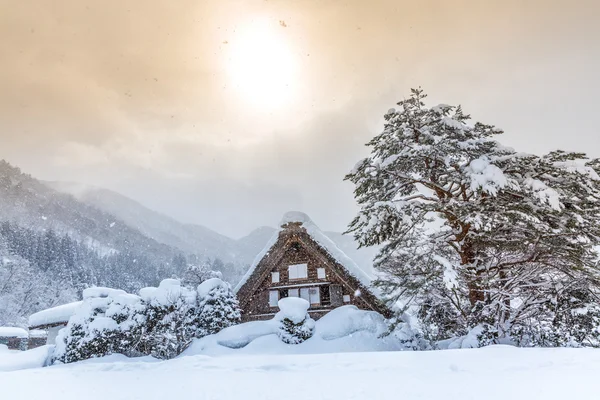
{"x":191,"y":238}
{"x":29,"y":203}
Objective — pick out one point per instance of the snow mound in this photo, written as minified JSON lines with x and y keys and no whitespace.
{"x":34,"y":358}
{"x":238,"y":336}
{"x":13,"y":332}
{"x":101,"y":292}
{"x":208,"y":285}
{"x":347,"y":320}
{"x":345,"y":329}
{"x":168,"y":291}
{"x":293,"y":308}
{"x":59,"y":314}
{"x":295,"y":216}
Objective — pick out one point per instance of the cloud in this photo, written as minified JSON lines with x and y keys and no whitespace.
{"x":136,"y":96}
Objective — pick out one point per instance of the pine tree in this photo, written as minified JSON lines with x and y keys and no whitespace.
{"x":170,"y":319}
{"x":473,"y":233}
{"x":218,"y":307}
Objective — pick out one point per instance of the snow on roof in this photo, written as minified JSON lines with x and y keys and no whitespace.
{"x":13,"y":332}
{"x":99,"y":291}
{"x":320,"y":238}
{"x":54,"y":315}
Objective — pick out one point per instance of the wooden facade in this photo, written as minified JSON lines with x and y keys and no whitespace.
{"x":296,"y":265}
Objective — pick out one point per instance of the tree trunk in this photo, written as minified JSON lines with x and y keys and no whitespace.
{"x":476,"y":293}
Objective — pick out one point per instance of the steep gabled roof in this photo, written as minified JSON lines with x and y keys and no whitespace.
{"x":320,"y":238}
{"x":312,"y":237}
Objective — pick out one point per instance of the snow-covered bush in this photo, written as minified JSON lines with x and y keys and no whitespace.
{"x":108,"y":321}
{"x":170,"y":318}
{"x":295,"y":324}
{"x":160,"y":322}
{"x":218,"y":307}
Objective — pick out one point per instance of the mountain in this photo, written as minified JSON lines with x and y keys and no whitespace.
{"x":195,"y":239}
{"x":188,"y":238}
{"x":30,"y":203}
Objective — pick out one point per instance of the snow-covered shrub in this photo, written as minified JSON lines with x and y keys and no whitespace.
{"x":218,"y":307}
{"x":108,"y":321}
{"x":296,"y":325}
{"x":170,"y":319}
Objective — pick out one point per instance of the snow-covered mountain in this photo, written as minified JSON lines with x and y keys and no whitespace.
{"x":188,"y":238}
{"x":110,"y":222}
{"x":191,"y":238}
{"x":30,"y":203}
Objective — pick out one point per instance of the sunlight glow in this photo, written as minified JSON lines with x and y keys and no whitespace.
{"x":261,"y":65}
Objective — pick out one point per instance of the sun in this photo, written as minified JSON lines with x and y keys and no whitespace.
{"x":261,"y":65}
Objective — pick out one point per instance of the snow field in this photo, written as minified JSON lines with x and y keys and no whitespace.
{"x":493,"y":373}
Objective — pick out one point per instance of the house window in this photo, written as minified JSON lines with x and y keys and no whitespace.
{"x":273,"y":298}
{"x":346,"y":298}
{"x":274,"y":277}
{"x":293,"y":293}
{"x":312,"y":295}
{"x":298,"y":271}
{"x":321,"y":273}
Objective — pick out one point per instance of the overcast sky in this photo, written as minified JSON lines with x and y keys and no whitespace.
{"x":229,"y":113}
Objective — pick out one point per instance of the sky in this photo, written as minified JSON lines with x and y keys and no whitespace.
{"x":230,"y":113}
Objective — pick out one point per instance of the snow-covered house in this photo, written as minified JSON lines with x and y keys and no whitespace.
{"x":14,"y":338}
{"x":52,"y":320}
{"x":301,"y":261}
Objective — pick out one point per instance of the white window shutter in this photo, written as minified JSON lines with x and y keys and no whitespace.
{"x":321,"y":273}
{"x":274,"y":277}
{"x":273,"y":298}
{"x":292,"y":272}
{"x":293,"y":293}
{"x":346,"y":298}
{"x":302,"y":271}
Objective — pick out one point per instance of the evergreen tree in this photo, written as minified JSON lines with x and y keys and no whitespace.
{"x":474,"y":234}
{"x":218,"y":307}
{"x":170,"y":319}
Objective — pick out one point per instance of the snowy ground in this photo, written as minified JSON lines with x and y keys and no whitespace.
{"x":491,"y":373}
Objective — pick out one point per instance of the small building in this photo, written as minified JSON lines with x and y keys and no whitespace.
{"x":14,"y":338}
{"x":301,"y":261}
{"x":37,"y":338}
{"x":52,"y":320}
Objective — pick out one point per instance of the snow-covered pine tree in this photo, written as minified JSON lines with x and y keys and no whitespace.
{"x":295,"y":324}
{"x":218,"y":307}
{"x":170,"y":319}
{"x":473,"y":233}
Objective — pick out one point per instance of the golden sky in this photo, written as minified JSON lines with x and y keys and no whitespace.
{"x":229,"y":113}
